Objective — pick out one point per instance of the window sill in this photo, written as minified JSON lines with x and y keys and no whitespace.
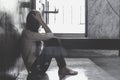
{"x":70,"y":35}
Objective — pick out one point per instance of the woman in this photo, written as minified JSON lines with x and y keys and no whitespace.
{"x":34,"y":51}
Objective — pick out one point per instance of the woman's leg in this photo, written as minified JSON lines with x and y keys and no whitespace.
{"x":58,"y":55}
{"x":41,"y":64}
{"x":39,"y":67}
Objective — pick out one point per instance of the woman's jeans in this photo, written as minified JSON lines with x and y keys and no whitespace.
{"x":51,"y":50}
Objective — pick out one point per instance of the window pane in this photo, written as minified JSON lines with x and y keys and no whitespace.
{"x":70,"y":17}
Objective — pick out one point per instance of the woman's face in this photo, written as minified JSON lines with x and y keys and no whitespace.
{"x":38,"y":16}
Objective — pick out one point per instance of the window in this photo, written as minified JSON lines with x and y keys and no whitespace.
{"x":65,"y":16}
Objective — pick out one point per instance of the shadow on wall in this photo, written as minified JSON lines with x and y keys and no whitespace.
{"x":9,"y":44}
{"x":7,"y":77}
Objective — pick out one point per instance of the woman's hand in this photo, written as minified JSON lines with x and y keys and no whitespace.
{"x":38,"y":17}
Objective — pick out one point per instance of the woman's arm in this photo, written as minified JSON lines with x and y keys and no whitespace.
{"x":34,"y":36}
{"x":38,"y":17}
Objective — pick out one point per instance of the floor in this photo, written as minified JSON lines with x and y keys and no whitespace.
{"x":102,"y":68}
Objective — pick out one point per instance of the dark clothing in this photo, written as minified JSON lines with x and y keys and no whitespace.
{"x":42,"y":63}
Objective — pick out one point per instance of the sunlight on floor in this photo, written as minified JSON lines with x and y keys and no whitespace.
{"x":53,"y":75}
{"x":87,"y":70}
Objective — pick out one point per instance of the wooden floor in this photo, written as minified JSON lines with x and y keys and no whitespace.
{"x":87,"y":70}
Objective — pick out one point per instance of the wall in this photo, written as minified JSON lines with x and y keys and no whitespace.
{"x":103,"y":21}
{"x":9,"y":22}
{"x":9,"y":35}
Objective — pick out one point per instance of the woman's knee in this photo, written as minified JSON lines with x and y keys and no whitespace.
{"x":52,"y":42}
